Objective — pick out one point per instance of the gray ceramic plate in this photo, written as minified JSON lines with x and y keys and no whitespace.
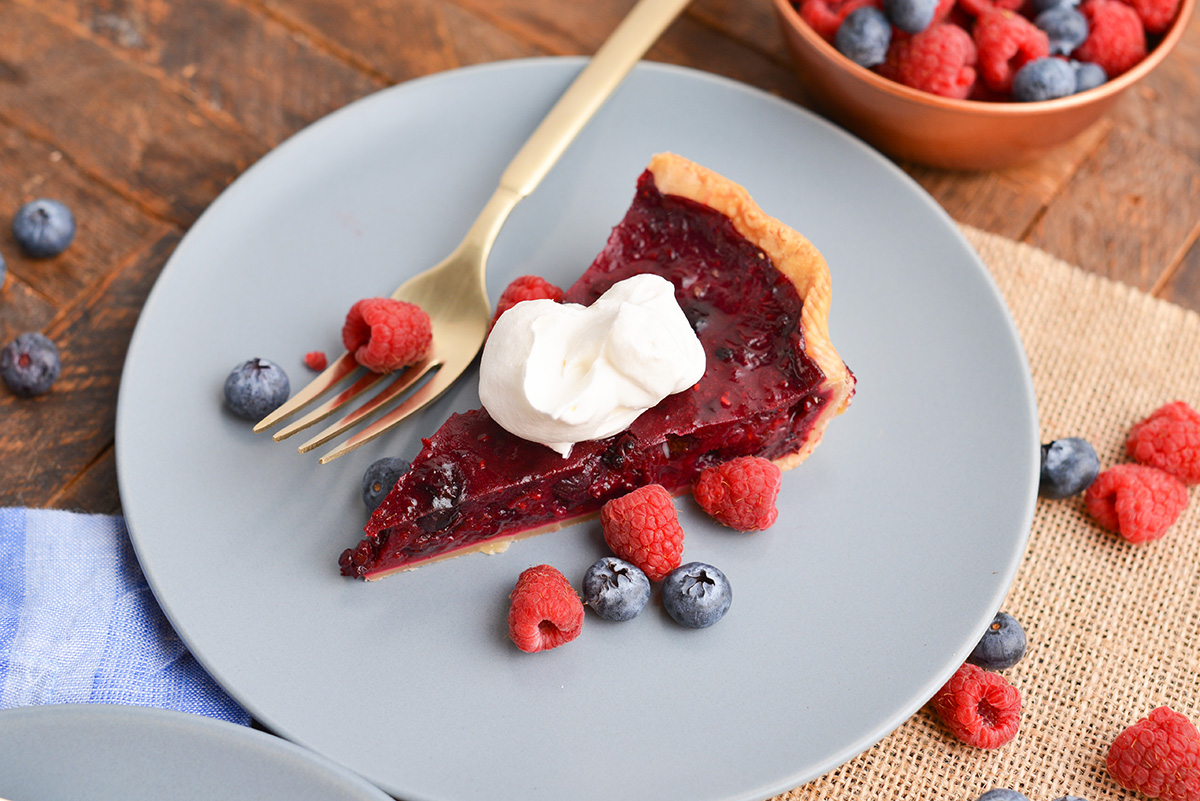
{"x":896,"y":541}
{"x":130,"y":753}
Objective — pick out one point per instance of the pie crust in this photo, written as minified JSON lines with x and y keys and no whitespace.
{"x":818,"y":387}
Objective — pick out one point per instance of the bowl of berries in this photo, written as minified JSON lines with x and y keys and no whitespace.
{"x":975,"y":84}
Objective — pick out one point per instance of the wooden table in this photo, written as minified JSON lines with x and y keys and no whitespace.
{"x":137,"y":113}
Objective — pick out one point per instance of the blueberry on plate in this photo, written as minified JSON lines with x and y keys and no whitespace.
{"x":1002,"y":794}
{"x":1044,"y":79}
{"x":43,"y":228}
{"x":615,"y":589}
{"x":256,"y":388}
{"x":30,"y":364}
{"x":910,"y":16}
{"x":1069,"y":466}
{"x":380,"y":477}
{"x":696,"y":595}
{"x":864,"y":36}
{"x":3,"y":270}
{"x":1001,"y":646}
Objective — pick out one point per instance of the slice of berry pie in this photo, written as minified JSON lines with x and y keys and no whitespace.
{"x":757,"y":296}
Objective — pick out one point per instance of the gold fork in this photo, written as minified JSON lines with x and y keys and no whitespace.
{"x":454,"y":292}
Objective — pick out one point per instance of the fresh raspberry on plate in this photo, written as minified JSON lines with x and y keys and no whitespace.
{"x":544,"y":612}
{"x":1138,"y":502}
{"x":643,"y":528}
{"x":1169,"y":439}
{"x":939,"y":60}
{"x":1156,"y":15}
{"x":1158,"y":756}
{"x":826,"y":16}
{"x":526,"y":287}
{"x":386,"y":334}
{"x":740,"y":493}
{"x":1116,"y":38}
{"x":316,"y":360}
{"x":1006,"y":42}
{"x":979,"y":707}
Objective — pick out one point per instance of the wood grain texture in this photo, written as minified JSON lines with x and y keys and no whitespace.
{"x":402,"y":40}
{"x":47,"y":442}
{"x":114,"y":121}
{"x":108,"y":228}
{"x":1128,"y":213}
{"x":265,"y":75}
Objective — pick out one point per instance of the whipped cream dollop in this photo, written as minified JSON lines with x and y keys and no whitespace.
{"x":561,"y":373}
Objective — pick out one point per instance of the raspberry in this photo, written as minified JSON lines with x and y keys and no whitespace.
{"x":1007,"y":42}
{"x":979,"y":707}
{"x":938,"y":60}
{"x":1169,"y":439}
{"x":1116,"y":39}
{"x":643,"y":528}
{"x":316,"y":360}
{"x":977,"y":8}
{"x":544,"y":611}
{"x":527,"y":287}
{"x":740,"y":493}
{"x":385,"y":334}
{"x":1156,"y":15}
{"x":1138,"y":502}
{"x":826,"y":16}
{"x":1159,"y":756}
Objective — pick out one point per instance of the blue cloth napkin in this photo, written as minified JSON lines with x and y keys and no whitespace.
{"x":78,"y":623}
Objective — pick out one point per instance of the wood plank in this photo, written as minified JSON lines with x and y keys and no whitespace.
{"x":755,"y":25}
{"x":1009,"y":201}
{"x":1128,"y":213}
{"x":114,"y":121}
{"x":48,"y":441}
{"x":21,"y":310}
{"x":1164,"y":105}
{"x":270,"y":78}
{"x":1183,"y":286}
{"x":108,"y":228}
{"x":94,"y":491}
{"x":403,"y":39}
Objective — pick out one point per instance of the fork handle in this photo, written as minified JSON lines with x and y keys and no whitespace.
{"x":624,"y":47}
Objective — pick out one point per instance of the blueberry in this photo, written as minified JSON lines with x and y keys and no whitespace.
{"x":696,"y":595}
{"x":43,"y":228}
{"x":380,"y":477}
{"x":1066,"y":28}
{"x":3,"y":270}
{"x":256,"y":388}
{"x":30,"y":364}
{"x":1002,"y":794}
{"x":1088,"y":75}
{"x":1069,"y":798}
{"x":863,"y":37}
{"x":1069,"y":466}
{"x":910,"y":16}
{"x":1044,"y":79}
{"x":615,"y":589}
{"x":1002,"y":645}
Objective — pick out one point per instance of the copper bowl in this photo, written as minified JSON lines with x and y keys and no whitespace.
{"x":941,"y":132}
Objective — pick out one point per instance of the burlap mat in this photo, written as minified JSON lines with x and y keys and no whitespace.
{"x":1114,"y":629}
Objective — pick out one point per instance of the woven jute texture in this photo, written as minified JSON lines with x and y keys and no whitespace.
{"x":1114,"y":629}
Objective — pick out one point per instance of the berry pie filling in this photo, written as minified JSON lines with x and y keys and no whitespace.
{"x":474,"y":482}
